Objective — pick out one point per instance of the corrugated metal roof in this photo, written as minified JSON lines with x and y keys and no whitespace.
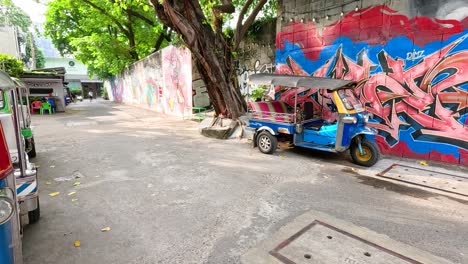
{"x":298,"y":81}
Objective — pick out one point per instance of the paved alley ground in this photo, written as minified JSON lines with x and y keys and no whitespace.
{"x":170,"y":195}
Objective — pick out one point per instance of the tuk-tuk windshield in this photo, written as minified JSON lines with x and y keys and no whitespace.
{"x":350,"y":100}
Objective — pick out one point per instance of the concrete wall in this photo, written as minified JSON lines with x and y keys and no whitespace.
{"x":410,"y":58}
{"x":256,"y":54}
{"x":9,"y":41}
{"x":161,"y":82}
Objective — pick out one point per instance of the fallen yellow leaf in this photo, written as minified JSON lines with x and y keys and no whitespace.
{"x":74,"y":200}
{"x":422,"y":162}
{"x":54,"y":194}
{"x":105,"y":229}
{"x":76,"y":183}
{"x":77,"y":243}
{"x":71,"y":193}
{"x":48,"y":183}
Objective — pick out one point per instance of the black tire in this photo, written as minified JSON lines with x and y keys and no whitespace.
{"x":35,"y":215}
{"x":32,"y":152}
{"x":266,"y":142}
{"x":371,"y":156}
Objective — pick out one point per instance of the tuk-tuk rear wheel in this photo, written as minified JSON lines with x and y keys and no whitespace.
{"x":35,"y":214}
{"x":266,"y":142}
{"x":370,"y":154}
{"x":32,"y":152}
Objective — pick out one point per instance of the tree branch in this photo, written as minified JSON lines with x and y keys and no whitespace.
{"x":163,"y":35}
{"x":131,"y":37}
{"x":142,"y":17}
{"x":242,"y":14}
{"x":226,"y":8}
{"x":163,"y":17}
{"x":103,"y":11}
{"x":241,"y":29}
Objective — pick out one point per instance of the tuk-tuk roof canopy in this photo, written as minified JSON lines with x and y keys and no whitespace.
{"x":5,"y":82}
{"x":298,"y":81}
{"x":19,"y":82}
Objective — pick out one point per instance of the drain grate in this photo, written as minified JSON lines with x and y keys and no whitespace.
{"x":320,"y":242}
{"x":441,"y":181}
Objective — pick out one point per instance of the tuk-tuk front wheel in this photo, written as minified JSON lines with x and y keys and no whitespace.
{"x":370,"y":153}
{"x":266,"y":142}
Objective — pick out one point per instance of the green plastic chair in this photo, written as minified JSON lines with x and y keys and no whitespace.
{"x":46,"y":106}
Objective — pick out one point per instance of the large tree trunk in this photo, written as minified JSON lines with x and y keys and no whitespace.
{"x":213,"y":55}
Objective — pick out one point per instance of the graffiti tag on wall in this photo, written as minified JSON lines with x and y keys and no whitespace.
{"x":411,"y":72}
{"x":244,"y":73}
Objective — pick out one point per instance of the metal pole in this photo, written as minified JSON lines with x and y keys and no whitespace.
{"x":295,"y":106}
{"x":19,"y":142}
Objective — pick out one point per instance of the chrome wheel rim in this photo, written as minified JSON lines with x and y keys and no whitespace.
{"x":265,"y":143}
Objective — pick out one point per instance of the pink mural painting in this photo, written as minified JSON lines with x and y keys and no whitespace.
{"x":161,"y":82}
{"x":177,"y":66}
{"x":411,"y":74}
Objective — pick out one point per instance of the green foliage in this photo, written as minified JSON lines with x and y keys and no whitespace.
{"x":104,"y":93}
{"x":258,"y":93}
{"x":11,"y":65}
{"x":13,"y":15}
{"x":40,"y":60}
{"x":100,"y":33}
{"x":268,"y":12}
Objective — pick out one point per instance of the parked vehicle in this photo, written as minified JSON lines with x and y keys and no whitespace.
{"x":25,"y":171}
{"x":79,"y":97}
{"x":10,"y":228}
{"x":302,"y":127}
{"x":25,"y":117}
{"x":67,"y":96}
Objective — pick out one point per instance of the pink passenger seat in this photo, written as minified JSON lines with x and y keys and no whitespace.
{"x":272,"y":110}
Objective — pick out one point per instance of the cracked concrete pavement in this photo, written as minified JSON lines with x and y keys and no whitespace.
{"x":170,"y":195}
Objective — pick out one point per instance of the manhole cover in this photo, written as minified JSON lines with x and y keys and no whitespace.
{"x":320,"y":242}
{"x":446,"y":182}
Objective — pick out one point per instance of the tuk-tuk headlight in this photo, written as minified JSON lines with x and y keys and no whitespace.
{"x":7,"y":204}
{"x":349,"y":120}
{"x":366,"y":118}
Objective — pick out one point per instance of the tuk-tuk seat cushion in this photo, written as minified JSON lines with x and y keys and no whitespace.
{"x":267,"y":110}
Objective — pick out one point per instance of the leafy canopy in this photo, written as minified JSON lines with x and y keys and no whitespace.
{"x":40,"y":60}
{"x":11,"y":65}
{"x":13,"y":15}
{"x":105,"y":35}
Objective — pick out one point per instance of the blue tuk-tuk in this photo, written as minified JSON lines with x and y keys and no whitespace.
{"x":10,"y":228}
{"x":13,"y":119}
{"x":303,"y":124}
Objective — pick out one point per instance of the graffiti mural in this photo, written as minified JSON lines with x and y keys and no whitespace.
{"x":160,"y":82}
{"x":411,"y":74}
{"x":244,"y":73}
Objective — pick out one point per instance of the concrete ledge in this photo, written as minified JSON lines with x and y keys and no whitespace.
{"x":287,"y":246}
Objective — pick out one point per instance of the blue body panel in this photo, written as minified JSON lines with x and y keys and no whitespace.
{"x":325,"y":136}
{"x":316,"y":146}
{"x":6,"y":238}
{"x":351,"y":130}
